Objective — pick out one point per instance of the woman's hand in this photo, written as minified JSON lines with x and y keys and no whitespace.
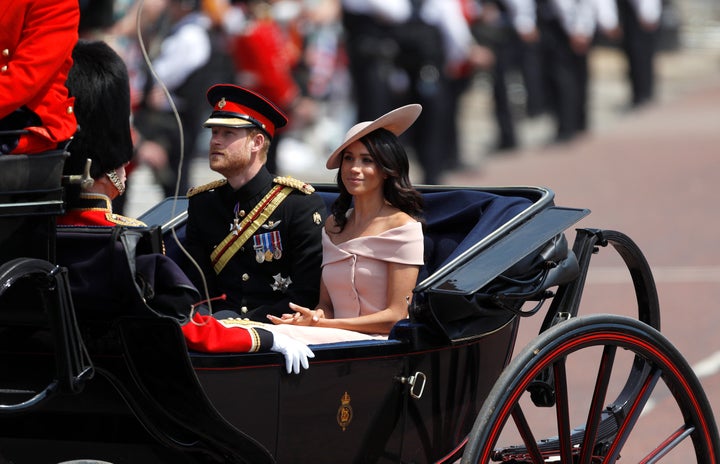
{"x":301,"y":316}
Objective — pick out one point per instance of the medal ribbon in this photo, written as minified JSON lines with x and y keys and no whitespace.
{"x":262,"y":211}
{"x":277,"y":244}
{"x":266,"y":242}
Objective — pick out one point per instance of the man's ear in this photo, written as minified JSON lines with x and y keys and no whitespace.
{"x":258,"y":140}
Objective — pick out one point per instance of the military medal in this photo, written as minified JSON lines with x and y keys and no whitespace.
{"x":276,"y":244}
{"x":235,"y":226}
{"x":280,"y":283}
{"x":261,"y":245}
{"x":259,"y":254}
{"x":267,"y":246}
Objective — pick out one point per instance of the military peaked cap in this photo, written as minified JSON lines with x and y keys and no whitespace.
{"x":235,"y":106}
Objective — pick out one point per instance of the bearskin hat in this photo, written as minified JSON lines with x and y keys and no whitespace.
{"x":99,"y":82}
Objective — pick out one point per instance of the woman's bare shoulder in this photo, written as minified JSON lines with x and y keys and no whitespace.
{"x":398,"y":218}
{"x":330,"y":224}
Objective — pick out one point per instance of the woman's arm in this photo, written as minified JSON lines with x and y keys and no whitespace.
{"x":401,"y":281}
{"x":325,"y":303}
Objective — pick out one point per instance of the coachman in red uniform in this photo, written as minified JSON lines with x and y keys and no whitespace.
{"x":36,"y":41}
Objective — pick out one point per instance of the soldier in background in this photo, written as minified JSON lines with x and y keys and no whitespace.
{"x":567,"y":29}
{"x":400,"y":52}
{"x":639,"y":20}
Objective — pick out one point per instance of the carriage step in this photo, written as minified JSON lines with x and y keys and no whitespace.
{"x":551,"y":446}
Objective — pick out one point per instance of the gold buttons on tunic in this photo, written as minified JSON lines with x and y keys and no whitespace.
{"x":244,"y":310}
{"x":245,"y":277}
{"x":241,"y":213}
{"x":70,"y":110}
{"x":6,"y":52}
{"x":3,"y":69}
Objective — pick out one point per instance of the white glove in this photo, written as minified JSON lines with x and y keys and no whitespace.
{"x":295,"y":352}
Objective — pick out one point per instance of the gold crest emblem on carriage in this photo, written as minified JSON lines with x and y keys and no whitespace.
{"x":345,"y":412}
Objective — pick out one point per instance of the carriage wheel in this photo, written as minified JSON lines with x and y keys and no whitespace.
{"x":660,"y":410}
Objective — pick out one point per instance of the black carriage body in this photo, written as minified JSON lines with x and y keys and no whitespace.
{"x":356,"y":402}
{"x":413,"y":398}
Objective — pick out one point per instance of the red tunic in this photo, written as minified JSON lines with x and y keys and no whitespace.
{"x":36,"y":42}
{"x":95,"y":209}
{"x":207,"y":334}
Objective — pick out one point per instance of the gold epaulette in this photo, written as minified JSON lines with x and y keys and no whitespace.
{"x":239,"y":322}
{"x":124,"y":220}
{"x":297,"y":184}
{"x":204,"y":188}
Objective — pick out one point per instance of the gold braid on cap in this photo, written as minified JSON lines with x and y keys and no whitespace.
{"x":295,"y":183}
{"x":119,"y":185}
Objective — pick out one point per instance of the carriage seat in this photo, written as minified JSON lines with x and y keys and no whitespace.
{"x":456,"y":219}
{"x":31,"y":195}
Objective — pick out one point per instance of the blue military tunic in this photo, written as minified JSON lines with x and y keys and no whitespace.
{"x":280,"y":262}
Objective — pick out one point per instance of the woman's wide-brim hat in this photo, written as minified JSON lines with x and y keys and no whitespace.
{"x":396,"y":121}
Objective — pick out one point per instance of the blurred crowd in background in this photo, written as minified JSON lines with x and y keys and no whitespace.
{"x":331,"y":63}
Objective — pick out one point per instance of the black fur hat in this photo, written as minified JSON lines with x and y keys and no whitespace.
{"x":99,"y":82}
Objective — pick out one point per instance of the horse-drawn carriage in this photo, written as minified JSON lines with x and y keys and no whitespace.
{"x":112,"y":380}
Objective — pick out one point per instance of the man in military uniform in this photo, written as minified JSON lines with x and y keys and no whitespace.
{"x":257,"y":238}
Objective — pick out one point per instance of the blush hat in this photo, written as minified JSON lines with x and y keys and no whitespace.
{"x":235,"y":106}
{"x":396,"y":121}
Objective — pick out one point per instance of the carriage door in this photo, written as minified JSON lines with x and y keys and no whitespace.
{"x":348,"y":407}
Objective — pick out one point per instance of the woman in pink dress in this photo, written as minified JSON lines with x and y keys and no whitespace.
{"x":373,"y":240}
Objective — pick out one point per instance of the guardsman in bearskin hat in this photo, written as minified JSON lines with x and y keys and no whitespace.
{"x":256,"y":237}
{"x":36,"y":39}
{"x":99,"y":82}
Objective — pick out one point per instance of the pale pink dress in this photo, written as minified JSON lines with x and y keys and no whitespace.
{"x":355,"y":274}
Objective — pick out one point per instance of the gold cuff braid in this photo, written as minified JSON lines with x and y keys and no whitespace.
{"x":119,"y":185}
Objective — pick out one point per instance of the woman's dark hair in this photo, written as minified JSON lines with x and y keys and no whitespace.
{"x":389,"y":154}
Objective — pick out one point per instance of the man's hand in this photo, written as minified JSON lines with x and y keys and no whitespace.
{"x":296,"y":353}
